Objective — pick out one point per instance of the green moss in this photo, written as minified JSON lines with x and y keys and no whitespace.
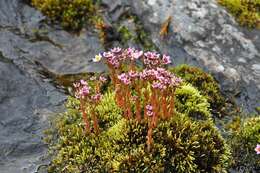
{"x":125,"y":34}
{"x":139,"y":35}
{"x":143,"y":35}
{"x":190,"y":102}
{"x":74,"y":150}
{"x":72,"y":15}
{"x":247,"y":12}
{"x":108,"y":107}
{"x":205,"y":83}
{"x":180,"y":144}
{"x":243,"y":143}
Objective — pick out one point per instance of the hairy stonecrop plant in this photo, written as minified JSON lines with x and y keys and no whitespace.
{"x":147,"y":120}
{"x":151,"y":85}
{"x":89,"y":101}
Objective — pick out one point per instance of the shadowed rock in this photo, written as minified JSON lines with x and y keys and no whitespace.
{"x":27,"y":47}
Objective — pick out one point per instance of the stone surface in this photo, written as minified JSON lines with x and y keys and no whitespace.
{"x":25,"y":106}
{"x":24,"y":34}
{"x":28,"y":48}
{"x":210,"y":35}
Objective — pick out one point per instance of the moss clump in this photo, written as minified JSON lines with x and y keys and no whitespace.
{"x":205,"y":83}
{"x":192,"y":103}
{"x":72,"y":15}
{"x":180,"y":144}
{"x":76,"y":151}
{"x":247,"y":12}
{"x":244,"y":140}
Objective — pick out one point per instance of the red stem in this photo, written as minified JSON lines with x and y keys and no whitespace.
{"x":85,"y":119}
{"x":95,"y":121}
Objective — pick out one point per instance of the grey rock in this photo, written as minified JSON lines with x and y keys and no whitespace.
{"x":26,"y":106}
{"x":211,"y":37}
{"x":28,"y":46}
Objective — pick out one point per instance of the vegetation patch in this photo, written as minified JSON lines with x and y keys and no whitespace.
{"x":245,"y":138}
{"x":247,"y":12}
{"x":148,"y":120}
{"x":72,"y":15}
{"x":205,"y":83}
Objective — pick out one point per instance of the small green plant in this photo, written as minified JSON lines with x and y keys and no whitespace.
{"x":244,"y":141}
{"x":72,"y":14}
{"x":125,"y":34}
{"x":205,"y":83}
{"x":247,"y":12}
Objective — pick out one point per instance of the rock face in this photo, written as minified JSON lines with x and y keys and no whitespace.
{"x":25,"y":105}
{"x":28,"y":47}
{"x":210,"y":36}
{"x":24,"y":35}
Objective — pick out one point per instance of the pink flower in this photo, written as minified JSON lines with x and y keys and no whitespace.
{"x":82,"y":89}
{"x":124,"y":78}
{"x":136,"y":55}
{"x":133,"y":74}
{"x":158,"y":85}
{"x":151,"y":59}
{"x":83,"y":82}
{"x":97,"y":97}
{"x":102,"y":79}
{"x":113,"y":61}
{"x":257,"y":149}
{"x":149,"y":110}
{"x":116,"y":50}
{"x":129,"y":51}
{"x":107,"y":54}
{"x":149,"y":107}
{"x":85,"y":90}
{"x":166,"y":59}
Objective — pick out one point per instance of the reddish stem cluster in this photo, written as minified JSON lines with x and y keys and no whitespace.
{"x":89,"y":99}
{"x":150,"y":90}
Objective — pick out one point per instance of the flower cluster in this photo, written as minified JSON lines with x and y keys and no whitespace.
{"x":116,"y":56}
{"x":149,"y":110}
{"x":124,"y":78}
{"x":82,"y":89}
{"x":144,"y":88}
{"x":89,"y":98}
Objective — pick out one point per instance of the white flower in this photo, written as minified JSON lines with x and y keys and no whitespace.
{"x":97,"y":58}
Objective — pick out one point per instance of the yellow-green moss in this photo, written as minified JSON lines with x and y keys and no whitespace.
{"x":205,"y":83}
{"x":190,"y":102}
{"x":72,"y":14}
{"x":243,"y":141}
{"x":247,"y":12}
{"x":181,"y":144}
